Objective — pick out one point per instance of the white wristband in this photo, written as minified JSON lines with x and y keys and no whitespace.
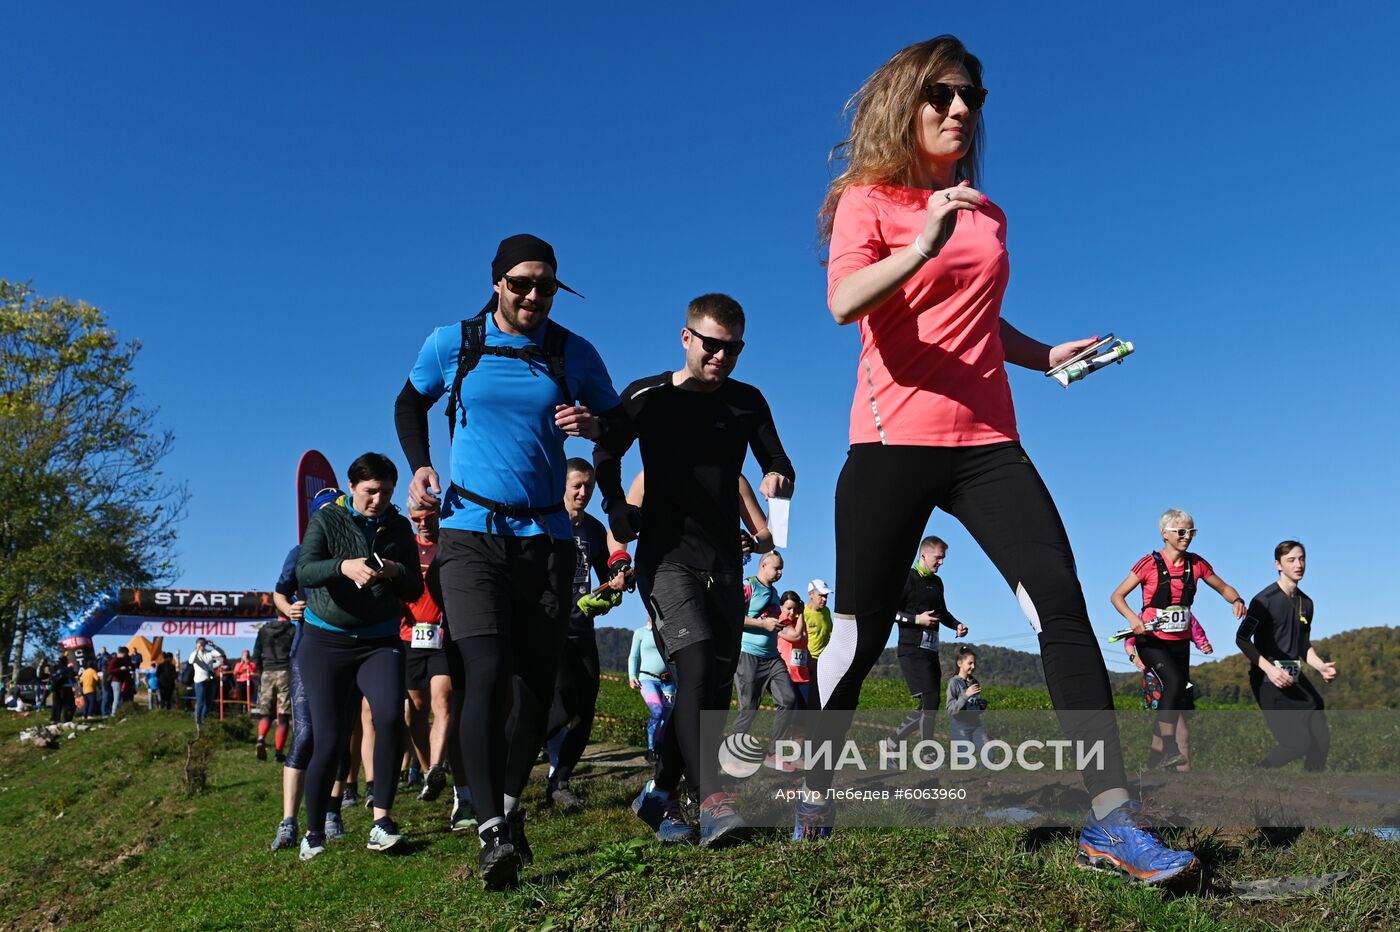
{"x":920,"y":251}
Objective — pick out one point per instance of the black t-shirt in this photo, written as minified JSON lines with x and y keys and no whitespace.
{"x":921,"y":594}
{"x":1279,"y":625}
{"x":591,"y":539}
{"x":693,"y":449}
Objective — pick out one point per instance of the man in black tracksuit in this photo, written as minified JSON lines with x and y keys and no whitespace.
{"x":921,"y":610}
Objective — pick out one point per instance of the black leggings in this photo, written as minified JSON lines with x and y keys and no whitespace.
{"x":704,"y":612}
{"x":505,"y":707}
{"x":1295,"y":716}
{"x":703,"y":684}
{"x":331,"y":666}
{"x":884,"y":498}
{"x":924,"y":677}
{"x":575,"y":702}
{"x":1171,"y":661}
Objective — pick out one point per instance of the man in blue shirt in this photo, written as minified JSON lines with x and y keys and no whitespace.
{"x":761,"y":667}
{"x":517,"y":385}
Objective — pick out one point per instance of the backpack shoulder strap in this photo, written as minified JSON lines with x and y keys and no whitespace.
{"x":556,"y":338}
{"x":468,"y":355}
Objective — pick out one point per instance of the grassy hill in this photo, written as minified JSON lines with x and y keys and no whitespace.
{"x":102,"y":834}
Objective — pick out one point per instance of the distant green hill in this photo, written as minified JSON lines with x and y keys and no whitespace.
{"x":1368,"y":663}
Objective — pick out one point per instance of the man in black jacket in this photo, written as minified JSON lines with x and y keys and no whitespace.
{"x":921,"y":610}
{"x":272,"y":654}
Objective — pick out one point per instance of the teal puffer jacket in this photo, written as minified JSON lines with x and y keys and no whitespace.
{"x":333,"y":535}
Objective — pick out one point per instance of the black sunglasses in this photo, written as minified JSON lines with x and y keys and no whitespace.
{"x":940,"y":96}
{"x":713,"y":345}
{"x":522,"y":286}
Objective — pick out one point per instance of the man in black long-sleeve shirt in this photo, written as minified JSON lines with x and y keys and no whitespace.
{"x":921,"y":610}
{"x":695,"y":426}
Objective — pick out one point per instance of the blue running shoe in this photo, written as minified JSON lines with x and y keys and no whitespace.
{"x":720,"y":822}
{"x":286,"y":834}
{"x":335,"y":826}
{"x":673,"y":828}
{"x":650,"y":806}
{"x":813,"y":821}
{"x":1123,"y":842}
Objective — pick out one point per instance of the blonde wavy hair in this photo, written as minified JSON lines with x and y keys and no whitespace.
{"x":883,"y":147}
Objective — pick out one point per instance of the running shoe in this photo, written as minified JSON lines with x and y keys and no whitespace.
{"x":516,"y":820}
{"x":1171,"y":759}
{"x":383,"y":835}
{"x":335,"y":826}
{"x":463,"y":816}
{"x":674,"y":829}
{"x":414,"y":777}
{"x":280,"y":757}
{"x":311,"y":846}
{"x":813,"y":821}
{"x":720,"y":822}
{"x":563,"y":796}
{"x":785,"y":766}
{"x":434,"y":784}
{"x":286,"y":834}
{"x":650,"y":806}
{"x":1124,"y":842}
{"x":348,"y":796}
{"x":498,"y":863}
{"x":369,"y":794}
{"x":260,"y":749}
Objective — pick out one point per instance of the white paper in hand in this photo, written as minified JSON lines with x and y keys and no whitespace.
{"x":778,"y":520}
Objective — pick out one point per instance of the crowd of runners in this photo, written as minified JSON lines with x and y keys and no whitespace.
{"x":503,"y":573}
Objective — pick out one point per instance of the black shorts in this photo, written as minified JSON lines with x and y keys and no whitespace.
{"x":497,"y":585}
{"x":420,"y":666}
{"x":689,"y":606}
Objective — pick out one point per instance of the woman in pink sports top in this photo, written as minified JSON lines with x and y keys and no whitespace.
{"x":918,"y":262}
{"x":1166,"y":627}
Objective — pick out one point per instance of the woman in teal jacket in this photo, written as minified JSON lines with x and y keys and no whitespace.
{"x":358,"y":565}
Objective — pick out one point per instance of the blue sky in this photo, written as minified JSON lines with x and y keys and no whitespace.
{"x":281,"y":203}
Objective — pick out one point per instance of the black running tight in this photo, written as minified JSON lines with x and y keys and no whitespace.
{"x":884,"y":498}
{"x":331,"y":666}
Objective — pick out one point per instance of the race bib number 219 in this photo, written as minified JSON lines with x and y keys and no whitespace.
{"x":426,"y":636}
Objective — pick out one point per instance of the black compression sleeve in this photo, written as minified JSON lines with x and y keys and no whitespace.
{"x":411,"y":422}
{"x":767,"y":448}
{"x":608,"y":453}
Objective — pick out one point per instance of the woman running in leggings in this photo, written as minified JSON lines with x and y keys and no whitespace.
{"x":918,"y":262}
{"x":1164,"y":630}
{"x":358,"y":565}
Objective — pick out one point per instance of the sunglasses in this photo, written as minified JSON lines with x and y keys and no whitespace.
{"x":713,"y":345}
{"x":940,"y":96}
{"x":1181,"y":531}
{"x":522,"y":286}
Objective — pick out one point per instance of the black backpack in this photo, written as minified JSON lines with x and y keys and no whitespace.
{"x":474,"y":346}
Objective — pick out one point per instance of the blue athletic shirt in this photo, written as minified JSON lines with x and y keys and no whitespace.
{"x":510,"y":451}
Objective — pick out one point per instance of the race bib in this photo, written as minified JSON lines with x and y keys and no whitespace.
{"x":929,"y":640}
{"x":1294,"y":668}
{"x":799,"y":657}
{"x":426,"y":636}
{"x":1173,"y":619}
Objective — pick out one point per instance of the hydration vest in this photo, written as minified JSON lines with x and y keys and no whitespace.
{"x":1162,"y":595}
{"x":474,"y":346}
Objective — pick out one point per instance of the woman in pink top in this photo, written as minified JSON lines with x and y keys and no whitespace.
{"x":918,"y":262}
{"x":1166,"y":627}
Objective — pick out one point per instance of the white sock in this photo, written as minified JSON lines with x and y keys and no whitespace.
{"x":1107,"y":801}
{"x":509,"y":804}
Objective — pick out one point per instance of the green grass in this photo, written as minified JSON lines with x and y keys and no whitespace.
{"x":101,"y":834}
